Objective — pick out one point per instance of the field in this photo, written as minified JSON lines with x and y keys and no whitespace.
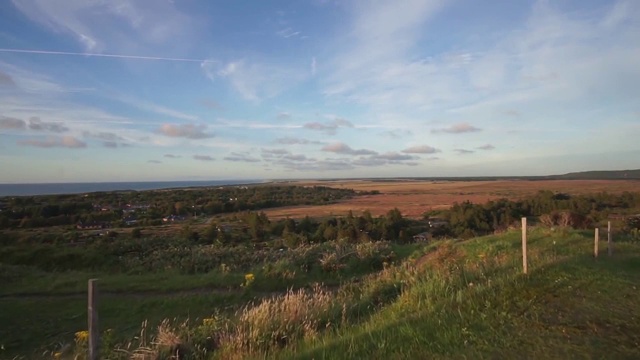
{"x":352,"y":286}
{"x":414,"y":198}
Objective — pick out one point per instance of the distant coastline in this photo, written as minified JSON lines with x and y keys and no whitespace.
{"x":79,"y":188}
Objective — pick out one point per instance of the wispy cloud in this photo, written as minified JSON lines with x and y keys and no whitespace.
{"x":238,"y":157}
{"x":460,"y":128}
{"x":463,"y":151}
{"x":172,"y":156}
{"x":155,"y":108}
{"x":342,"y":148}
{"x":52,"y":142}
{"x":98,"y":55}
{"x":39,"y":125}
{"x":421,"y":149}
{"x":154,"y":162}
{"x":314,"y":66}
{"x":189,"y":131}
{"x":254,"y":81}
{"x":202,"y":157}
{"x":284,"y":115}
{"x":486,"y":147}
{"x":10,"y":123}
{"x":329,"y":128}
{"x":296,"y":141}
{"x":288,"y":33}
{"x":113,"y":25}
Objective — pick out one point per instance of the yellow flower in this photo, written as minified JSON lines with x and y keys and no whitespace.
{"x":249,"y":277}
{"x":57,"y":355}
{"x":82,"y":336}
{"x":209,"y":321}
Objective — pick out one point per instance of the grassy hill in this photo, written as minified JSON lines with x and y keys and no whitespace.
{"x":470,"y":300}
{"x":451,"y":299}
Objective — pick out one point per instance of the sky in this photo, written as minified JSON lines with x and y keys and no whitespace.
{"x":152,"y":90}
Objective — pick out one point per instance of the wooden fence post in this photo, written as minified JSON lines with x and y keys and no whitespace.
{"x":92,"y":312}
{"x":609,"y":239}
{"x":524,"y":245}
{"x":595,"y":243}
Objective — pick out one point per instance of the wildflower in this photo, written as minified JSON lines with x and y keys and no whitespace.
{"x":248,"y":279}
{"x":82,"y":336}
{"x":57,"y":355}
{"x":209,"y":321}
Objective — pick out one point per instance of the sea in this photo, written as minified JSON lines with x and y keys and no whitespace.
{"x":80,"y":188}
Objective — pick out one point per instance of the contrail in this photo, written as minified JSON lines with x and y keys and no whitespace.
{"x":134,"y":57}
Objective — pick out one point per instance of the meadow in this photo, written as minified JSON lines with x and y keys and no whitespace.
{"x":414,"y":198}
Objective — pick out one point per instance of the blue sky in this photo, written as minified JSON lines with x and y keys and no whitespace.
{"x":126,"y":90}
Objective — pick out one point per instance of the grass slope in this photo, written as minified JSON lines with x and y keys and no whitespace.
{"x":471,"y":301}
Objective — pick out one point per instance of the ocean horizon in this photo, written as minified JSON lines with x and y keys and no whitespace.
{"x":80,"y":188}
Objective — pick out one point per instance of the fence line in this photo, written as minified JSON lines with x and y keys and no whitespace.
{"x":92,"y":313}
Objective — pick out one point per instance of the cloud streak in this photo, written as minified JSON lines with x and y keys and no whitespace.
{"x":55,"y":142}
{"x":39,"y":125}
{"x":329,"y":128}
{"x":202,"y":157}
{"x":421,"y":149}
{"x":189,"y":131}
{"x":460,"y":128}
{"x":99,"y":55}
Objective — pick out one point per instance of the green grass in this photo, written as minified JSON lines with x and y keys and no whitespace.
{"x":33,"y":325}
{"x":569,"y":306}
{"x":451,"y":299}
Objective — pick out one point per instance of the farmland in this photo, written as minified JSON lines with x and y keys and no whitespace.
{"x":414,"y":198}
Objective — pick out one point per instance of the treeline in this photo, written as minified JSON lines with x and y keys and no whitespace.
{"x":149,"y":207}
{"x":552,"y":209}
{"x":363,"y":228}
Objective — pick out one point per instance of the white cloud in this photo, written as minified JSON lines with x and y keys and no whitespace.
{"x":254,"y":81}
{"x":119,"y":25}
{"x":342,"y":148}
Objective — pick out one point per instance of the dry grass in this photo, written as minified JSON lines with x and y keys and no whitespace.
{"x":414,"y":198}
{"x":278,"y":321}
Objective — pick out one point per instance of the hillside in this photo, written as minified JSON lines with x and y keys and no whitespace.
{"x":470,"y":300}
{"x":338,"y":299}
{"x":600,"y":175}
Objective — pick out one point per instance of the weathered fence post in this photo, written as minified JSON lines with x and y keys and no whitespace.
{"x":595,"y":243}
{"x":92,"y":312}
{"x":609,"y":239}
{"x":524,"y":245}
